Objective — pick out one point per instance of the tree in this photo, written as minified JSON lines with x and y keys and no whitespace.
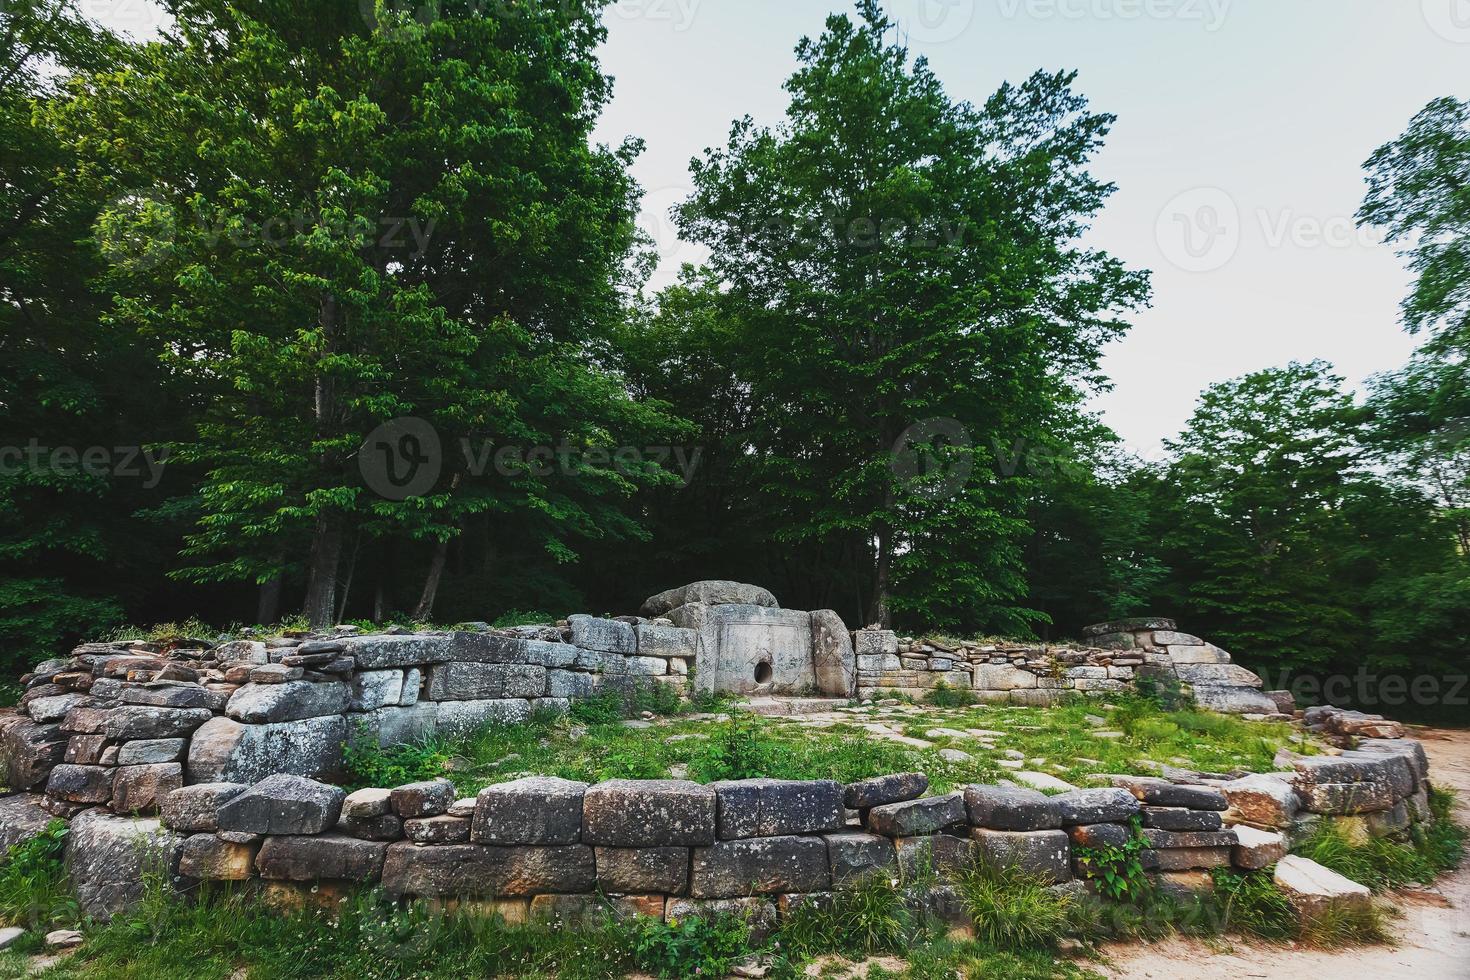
{"x":1419,"y":194}
{"x":331,"y":220}
{"x":1256,"y":532}
{"x":914,"y":304}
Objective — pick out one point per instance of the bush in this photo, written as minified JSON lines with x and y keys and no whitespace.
{"x":367,"y":764}
{"x":944,"y":696}
{"x":738,"y":750}
{"x":1118,"y":871}
{"x":1378,"y":864}
{"x":1253,"y":904}
{"x":705,"y":947}
{"x":34,"y":891}
{"x":1345,"y":925}
{"x":1012,"y":910}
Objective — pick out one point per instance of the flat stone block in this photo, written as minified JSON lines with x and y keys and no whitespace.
{"x":1046,"y":854}
{"x":534,"y":810}
{"x":882,"y":790}
{"x":851,"y":856}
{"x":918,"y":818}
{"x":760,"y":866}
{"x":475,"y":870}
{"x":777,"y":808}
{"x":328,"y":856}
{"x":649,"y":813}
{"x":1087,"y":806}
{"x":208,"y":858}
{"x":283,"y":804}
{"x":643,"y":870}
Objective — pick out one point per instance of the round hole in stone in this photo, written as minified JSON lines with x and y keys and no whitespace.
{"x":763,"y":673}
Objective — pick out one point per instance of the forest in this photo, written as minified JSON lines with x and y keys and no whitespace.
{"x":246,"y":257}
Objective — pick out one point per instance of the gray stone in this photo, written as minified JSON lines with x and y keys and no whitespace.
{"x":1168,"y":840}
{"x":136,"y":721}
{"x":437,"y":830}
{"x":777,"y":808}
{"x":1045,"y":854}
{"x":149,"y":751}
{"x":21,"y":819}
{"x":264,"y":704}
{"x":916,"y":818}
{"x":1346,"y":798}
{"x":760,"y":866}
{"x":852,"y":856}
{"x":28,"y":751}
{"x":53,"y":709}
{"x":1138,"y":624}
{"x":1005,"y":808}
{"x":80,"y":784}
{"x":474,"y":870}
{"x":224,"y":750}
{"x":603,"y":635}
{"x":1085,"y":806}
{"x":1181,"y":819}
{"x":430,"y":798}
{"x":1233,"y":700}
{"x":86,"y":750}
{"x":374,"y":689}
{"x":455,"y":681}
{"x":1313,"y":890}
{"x":208,"y":857}
{"x":881,"y":790}
{"x":409,"y":725}
{"x":655,"y":640}
{"x":643,"y":870}
{"x":648,"y":813}
{"x":711,"y":593}
{"x":753,"y":650}
{"x":329,"y":857}
{"x":140,"y":789}
{"x":1206,"y":653}
{"x":462,"y":718}
{"x":1100,"y":835}
{"x":1228,"y":675}
{"x":921,"y":857}
{"x":195,"y":809}
{"x":169,"y":695}
{"x":1257,"y":849}
{"x":534,"y":810}
{"x":1002,"y":677}
{"x":833,"y":660}
{"x":567,"y":684}
{"x":383,"y":827}
{"x":758,"y":914}
{"x":365,"y":804}
{"x":1161,"y":792}
{"x":108,"y":857}
{"x":283,"y":804}
{"x":1262,"y":800}
{"x":378,"y":652}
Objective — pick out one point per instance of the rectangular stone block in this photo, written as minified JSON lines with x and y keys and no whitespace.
{"x":1191,"y":858}
{"x":455,"y":681}
{"x":916,"y":818}
{"x":379,"y":652}
{"x":851,"y":856}
{"x":606,"y":635}
{"x":643,"y":870}
{"x":920,"y":857}
{"x":777,"y":808}
{"x":461,"y":718}
{"x":209,"y":858}
{"x":1046,"y":854}
{"x":145,"y":752}
{"x":655,"y":640}
{"x":478,"y":870}
{"x":648,"y":813}
{"x":374,"y":689}
{"x":140,"y":789}
{"x":328,"y":856}
{"x":534,"y":810}
{"x":760,"y":866}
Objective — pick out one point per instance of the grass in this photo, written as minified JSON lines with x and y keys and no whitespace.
{"x":1011,"y":910}
{"x":1383,"y":863}
{"x":34,"y":891}
{"x":595,"y":744}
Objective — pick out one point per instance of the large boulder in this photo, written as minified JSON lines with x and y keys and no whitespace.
{"x":833,"y":658}
{"x":263,"y":704}
{"x":711,"y":593}
{"x":108,"y":857}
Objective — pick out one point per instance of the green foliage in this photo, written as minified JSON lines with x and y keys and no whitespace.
{"x":737,"y":750}
{"x":695,"y":946}
{"x":1012,"y":910}
{"x":34,"y":891}
{"x":1339,"y":926}
{"x":866,"y":918}
{"x":1379,"y":863}
{"x":369,"y":765}
{"x":1117,"y":871}
{"x":944,"y":696}
{"x":1252,"y":904}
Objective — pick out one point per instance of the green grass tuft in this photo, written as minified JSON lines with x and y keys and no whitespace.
{"x":1012,"y":910}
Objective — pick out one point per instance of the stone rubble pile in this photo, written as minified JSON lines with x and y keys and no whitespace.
{"x":1121,"y":654}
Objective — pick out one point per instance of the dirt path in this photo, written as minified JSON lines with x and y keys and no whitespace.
{"x":1434,"y":931}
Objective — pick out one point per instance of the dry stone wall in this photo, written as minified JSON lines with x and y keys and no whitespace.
{"x":547,"y":849}
{"x":1118,"y":656}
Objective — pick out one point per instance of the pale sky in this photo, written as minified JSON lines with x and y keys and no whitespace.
{"x":1243,"y":125}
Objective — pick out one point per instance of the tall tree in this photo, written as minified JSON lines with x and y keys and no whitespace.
{"x":335,"y":216}
{"x":901,"y":259}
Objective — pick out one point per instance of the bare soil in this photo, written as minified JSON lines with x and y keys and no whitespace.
{"x":1434,"y":931}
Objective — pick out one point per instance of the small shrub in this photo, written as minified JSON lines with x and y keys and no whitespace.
{"x":517,"y":617}
{"x":737,"y":750}
{"x":1118,"y":871}
{"x":1442,"y":842}
{"x":944,"y":696}
{"x":690,"y":947}
{"x":1012,"y":910}
{"x":34,"y":891}
{"x":367,"y":764}
{"x":603,"y":708}
{"x":661,"y":699}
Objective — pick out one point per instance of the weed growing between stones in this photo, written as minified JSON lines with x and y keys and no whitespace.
{"x":1254,"y":905}
{"x":867,"y":919}
{"x":1117,"y":871}
{"x":34,"y":891}
{"x":1013,"y":910}
{"x":1382,"y":863}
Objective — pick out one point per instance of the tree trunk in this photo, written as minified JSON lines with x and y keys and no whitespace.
{"x":425,"y":608}
{"x":880,"y":613}
{"x":268,"y":605}
{"x":321,"y":583}
{"x":347,"y":579}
